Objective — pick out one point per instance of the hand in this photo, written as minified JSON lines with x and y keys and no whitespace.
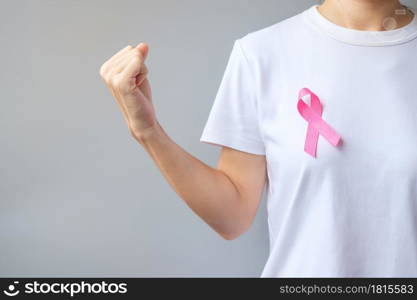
{"x":125,"y":74}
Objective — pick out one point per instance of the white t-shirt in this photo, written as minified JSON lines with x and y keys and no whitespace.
{"x":351,"y":210}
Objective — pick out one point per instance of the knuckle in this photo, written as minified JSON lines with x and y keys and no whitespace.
{"x":145,"y":70}
{"x":117,"y":82}
{"x":137,"y":53}
{"x":109,"y":80}
{"x":125,"y":49}
{"x":102,"y":71}
{"x":136,"y":59}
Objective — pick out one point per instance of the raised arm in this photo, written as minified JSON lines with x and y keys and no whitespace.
{"x":226,"y":197}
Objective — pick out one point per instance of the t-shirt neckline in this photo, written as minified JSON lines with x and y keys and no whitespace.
{"x":360,"y":37}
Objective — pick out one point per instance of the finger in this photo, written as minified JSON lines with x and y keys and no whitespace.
{"x":115,"y":75}
{"x":106,"y":66}
{"x":134,"y":66}
{"x":116,"y":69}
{"x":144,"y":48}
{"x":120,"y":53}
{"x":142,"y":75}
{"x":123,"y":62}
{"x":123,"y":55}
{"x":145,"y":87}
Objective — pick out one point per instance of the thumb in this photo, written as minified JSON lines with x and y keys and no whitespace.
{"x":144,"y":49}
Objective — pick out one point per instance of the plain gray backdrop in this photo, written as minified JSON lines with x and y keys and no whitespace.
{"x":80,"y":197}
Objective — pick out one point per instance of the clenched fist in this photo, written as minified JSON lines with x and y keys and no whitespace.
{"x":125,"y":74}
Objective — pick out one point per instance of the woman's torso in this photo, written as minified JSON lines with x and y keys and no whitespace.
{"x":352,"y":210}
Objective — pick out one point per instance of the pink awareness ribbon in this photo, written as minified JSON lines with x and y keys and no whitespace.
{"x":316,"y":125}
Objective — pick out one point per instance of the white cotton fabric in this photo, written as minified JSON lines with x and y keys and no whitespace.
{"x":352,"y":210}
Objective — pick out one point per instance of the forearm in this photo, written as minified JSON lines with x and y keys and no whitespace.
{"x":209,"y":192}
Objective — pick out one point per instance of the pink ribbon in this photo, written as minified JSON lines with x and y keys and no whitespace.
{"x":316,"y":125}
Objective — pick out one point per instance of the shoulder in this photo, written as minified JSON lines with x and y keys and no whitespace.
{"x":267,"y":39}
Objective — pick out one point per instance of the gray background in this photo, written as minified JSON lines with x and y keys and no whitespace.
{"x":78,"y":196}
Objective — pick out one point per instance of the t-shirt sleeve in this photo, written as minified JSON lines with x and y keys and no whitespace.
{"x":233,"y":119}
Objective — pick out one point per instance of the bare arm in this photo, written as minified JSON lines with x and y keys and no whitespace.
{"x":226,"y":197}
